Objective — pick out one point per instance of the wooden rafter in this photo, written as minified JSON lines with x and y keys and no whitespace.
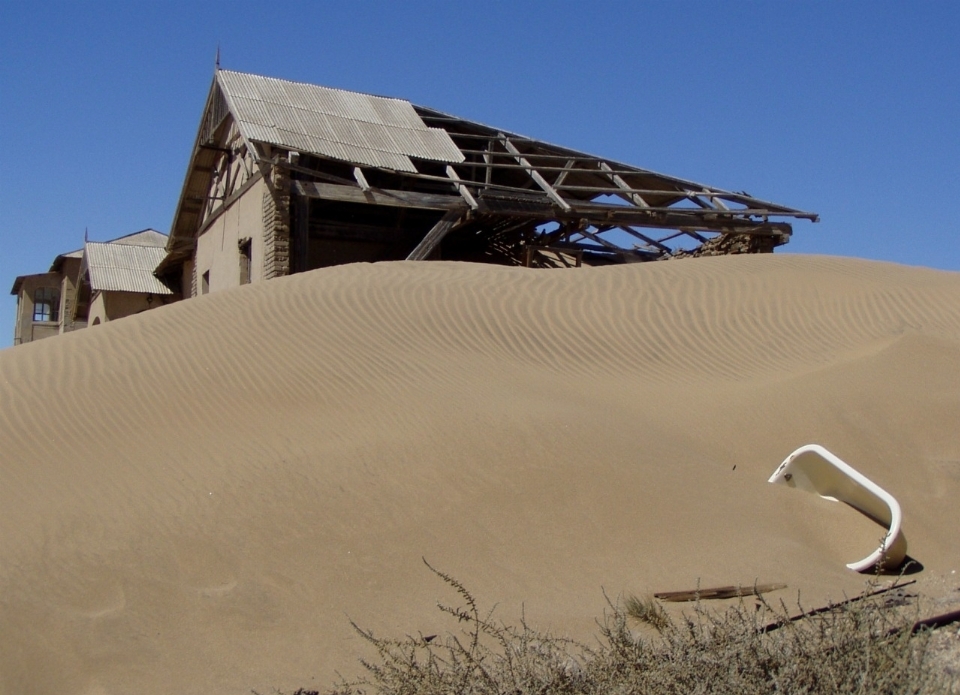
{"x":534,"y":174}
{"x":626,"y":190}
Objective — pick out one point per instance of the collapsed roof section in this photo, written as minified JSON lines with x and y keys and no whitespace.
{"x":466,"y":190}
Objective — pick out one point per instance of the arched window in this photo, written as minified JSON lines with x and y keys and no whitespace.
{"x":46,"y":304}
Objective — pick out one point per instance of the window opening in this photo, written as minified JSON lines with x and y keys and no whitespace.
{"x":245,"y":260}
{"x":46,"y":304}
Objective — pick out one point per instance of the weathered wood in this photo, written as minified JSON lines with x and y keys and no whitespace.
{"x":688,"y":221}
{"x":300,"y":207}
{"x":628,"y":191}
{"x":718,"y":592}
{"x":535,"y":175}
{"x":437,"y":233}
{"x":697,"y":198}
{"x":559,"y":251}
{"x":461,"y":189}
{"x":936,"y":621}
{"x":629,"y":255}
{"x":375,"y":196}
{"x":488,"y":162}
{"x":233,"y":197}
{"x":716,"y":200}
{"x":562,"y":176}
{"x":361,"y":179}
{"x":777,"y":624}
{"x":600,"y":240}
{"x":644,"y":237}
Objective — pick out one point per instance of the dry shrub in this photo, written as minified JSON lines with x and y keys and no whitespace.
{"x":864,"y":646}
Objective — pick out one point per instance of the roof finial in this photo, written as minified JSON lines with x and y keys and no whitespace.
{"x":84,"y":235}
{"x":216,"y":67}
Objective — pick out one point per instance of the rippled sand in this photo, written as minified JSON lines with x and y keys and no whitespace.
{"x":198,"y":499}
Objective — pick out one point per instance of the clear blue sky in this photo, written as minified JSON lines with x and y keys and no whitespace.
{"x":848,"y":109}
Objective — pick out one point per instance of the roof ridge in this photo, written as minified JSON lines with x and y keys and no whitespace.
{"x":313,"y":84}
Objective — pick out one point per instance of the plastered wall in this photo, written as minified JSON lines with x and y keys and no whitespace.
{"x":218,"y":251}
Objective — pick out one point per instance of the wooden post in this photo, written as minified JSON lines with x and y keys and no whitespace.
{"x":436,"y":234}
{"x":301,"y":233}
{"x":461,"y":189}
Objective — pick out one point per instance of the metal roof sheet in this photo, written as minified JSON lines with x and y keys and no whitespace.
{"x":349,"y":126}
{"x":145,"y":237}
{"x":123,"y":267}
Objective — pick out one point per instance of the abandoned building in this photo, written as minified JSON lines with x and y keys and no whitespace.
{"x":287,"y":177}
{"x":101,"y":282}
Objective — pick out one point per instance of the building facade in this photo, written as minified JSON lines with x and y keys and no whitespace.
{"x":101,"y":282}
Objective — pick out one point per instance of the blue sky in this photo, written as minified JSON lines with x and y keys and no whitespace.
{"x":847,"y":109}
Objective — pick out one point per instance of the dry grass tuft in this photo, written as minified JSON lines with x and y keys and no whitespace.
{"x":865,"y":646}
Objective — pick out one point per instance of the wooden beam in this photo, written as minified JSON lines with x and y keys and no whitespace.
{"x":631,"y":195}
{"x":361,"y":179}
{"x":562,"y":176}
{"x":534,"y":174}
{"x":628,"y":254}
{"x":301,"y":232}
{"x":716,"y":200}
{"x":376,"y":196}
{"x":718,"y":592}
{"x":600,"y":215}
{"x":437,"y":233}
{"x":488,"y":160}
{"x":219,"y":210}
{"x":461,"y":189}
{"x":644,"y":237}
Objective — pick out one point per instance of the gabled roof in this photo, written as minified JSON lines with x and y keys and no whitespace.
{"x":348,"y":126}
{"x":59,"y":260}
{"x":145,"y":237}
{"x":423,"y":158}
{"x":120,"y":266}
{"x":20,"y":279}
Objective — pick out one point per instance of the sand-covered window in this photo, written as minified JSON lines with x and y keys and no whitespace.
{"x":46,"y":303}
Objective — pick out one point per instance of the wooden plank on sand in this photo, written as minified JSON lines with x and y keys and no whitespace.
{"x":718,"y":592}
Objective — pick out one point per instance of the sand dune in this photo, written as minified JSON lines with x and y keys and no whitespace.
{"x":195,"y":500}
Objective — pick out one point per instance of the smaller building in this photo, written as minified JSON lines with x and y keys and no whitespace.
{"x":101,"y":282}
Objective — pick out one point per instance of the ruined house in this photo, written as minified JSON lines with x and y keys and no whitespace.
{"x":286,"y":177}
{"x":98,"y":283}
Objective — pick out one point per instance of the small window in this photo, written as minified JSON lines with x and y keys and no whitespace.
{"x":205,"y":283}
{"x":46,"y":304}
{"x":245,"y":260}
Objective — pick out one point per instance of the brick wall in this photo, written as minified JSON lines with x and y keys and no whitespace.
{"x":276,"y":224}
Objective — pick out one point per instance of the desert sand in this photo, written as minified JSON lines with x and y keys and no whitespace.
{"x":200,"y":498}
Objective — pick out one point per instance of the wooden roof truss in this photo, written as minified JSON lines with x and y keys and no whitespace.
{"x":528,"y":202}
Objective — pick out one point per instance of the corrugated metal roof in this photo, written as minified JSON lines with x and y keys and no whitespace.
{"x":349,"y":126}
{"x":145,"y":237}
{"x":123,"y":267}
